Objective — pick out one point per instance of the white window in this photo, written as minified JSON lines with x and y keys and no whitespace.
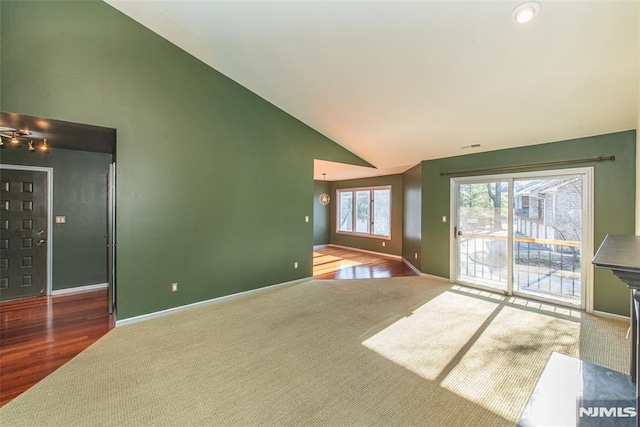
{"x":365,"y":211}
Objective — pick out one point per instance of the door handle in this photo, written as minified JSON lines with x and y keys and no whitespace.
{"x":41,"y":242}
{"x":456,"y":232}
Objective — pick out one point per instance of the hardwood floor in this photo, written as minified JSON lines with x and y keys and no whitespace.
{"x":38,"y":335}
{"x":339,"y":263}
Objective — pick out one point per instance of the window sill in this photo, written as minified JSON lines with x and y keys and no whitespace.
{"x":367,"y":236}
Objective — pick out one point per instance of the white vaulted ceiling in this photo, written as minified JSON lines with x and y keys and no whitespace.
{"x":398,"y":82}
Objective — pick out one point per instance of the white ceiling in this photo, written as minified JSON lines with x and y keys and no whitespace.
{"x":398,"y":82}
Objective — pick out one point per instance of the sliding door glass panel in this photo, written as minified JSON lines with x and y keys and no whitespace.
{"x":363,"y":204}
{"x":547,"y":224}
{"x":346,"y":214}
{"x":482,"y":233}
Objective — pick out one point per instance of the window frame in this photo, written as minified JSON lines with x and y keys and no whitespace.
{"x":353,"y":191}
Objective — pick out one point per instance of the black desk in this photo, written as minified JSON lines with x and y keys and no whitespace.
{"x":621,"y":255}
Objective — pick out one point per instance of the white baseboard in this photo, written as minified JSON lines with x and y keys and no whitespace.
{"x":411,"y":266}
{"x":428,"y":276}
{"x":439,"y":278}
{"x":396,"y":257}
{"x":316,"y":247}
{"x":78,"y":289}
{"x":161,"y":313}
{"x":611,"y":315}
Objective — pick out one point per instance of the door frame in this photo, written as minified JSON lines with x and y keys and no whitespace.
{"x":587,"y":237}
{"x":111,"y":236}
{"x":49,"y":185}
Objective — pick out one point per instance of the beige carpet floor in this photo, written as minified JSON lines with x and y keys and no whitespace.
{"x":402,"y":351}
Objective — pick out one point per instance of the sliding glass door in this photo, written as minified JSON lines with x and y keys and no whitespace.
{"x":547,"y":224}
{"x":481,"y":233}
{"x":524,"y":234}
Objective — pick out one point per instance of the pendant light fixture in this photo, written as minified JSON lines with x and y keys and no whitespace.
{"x":324,"y":197}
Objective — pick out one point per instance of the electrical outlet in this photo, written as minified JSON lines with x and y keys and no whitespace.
{"x":295,"y":264}
{"x":444,"y":218}
{"x":174,"y":287}
{"x":384,"y":243}
{"x":415,"y":255}
{"x":306,"y":218}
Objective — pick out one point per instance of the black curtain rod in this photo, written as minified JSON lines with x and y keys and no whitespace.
{"x":532,"y":165}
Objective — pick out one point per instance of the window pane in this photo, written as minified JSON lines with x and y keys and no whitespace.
{"x":345,"y":212}
{"x":382,"y":212}
{"x":362,"y":211}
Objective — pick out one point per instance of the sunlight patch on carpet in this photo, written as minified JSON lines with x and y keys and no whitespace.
{"x":428,"y":340}
{"x":509,"y":357}
{"x":486,"y":348}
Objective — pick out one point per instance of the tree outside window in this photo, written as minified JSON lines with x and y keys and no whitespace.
{"x":365,"y":211}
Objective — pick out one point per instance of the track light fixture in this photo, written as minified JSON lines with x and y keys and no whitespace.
{"x":14,"y":137}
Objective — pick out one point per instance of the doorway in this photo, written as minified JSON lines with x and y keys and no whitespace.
{"x":525,"y":234}
{"x":77,"y":309}
{"x":81,"y":239}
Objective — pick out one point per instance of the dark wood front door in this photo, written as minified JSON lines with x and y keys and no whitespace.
{"x":23,"y":233}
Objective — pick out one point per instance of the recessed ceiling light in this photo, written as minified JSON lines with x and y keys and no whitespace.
{"x":525,"y":12}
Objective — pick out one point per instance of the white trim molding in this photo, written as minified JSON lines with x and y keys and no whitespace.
{"x":148,"y":316}
{"x":79,"y":289}
{"x":411,"y":266}
{"x":439,"y":278}
{"x":610,"y":315}
{"x":425,"y":275}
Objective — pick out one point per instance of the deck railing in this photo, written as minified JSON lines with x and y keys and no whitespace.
{"x":545,"y":266}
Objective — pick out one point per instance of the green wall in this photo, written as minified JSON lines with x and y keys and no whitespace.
{"x":393,"y":246}
{"x":614,"y":204}
{"x":79,"y":193}
{"x":411,"y":225}
{"x":213,"y":181}
{"x":321,"y":213}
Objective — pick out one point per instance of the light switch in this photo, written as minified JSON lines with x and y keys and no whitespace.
{"x":306,"y":218}
{"x":61,"y":219}
{"x":444,"y":218}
